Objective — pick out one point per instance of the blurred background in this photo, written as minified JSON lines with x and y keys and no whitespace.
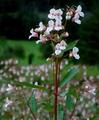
{"x":17,"y":17}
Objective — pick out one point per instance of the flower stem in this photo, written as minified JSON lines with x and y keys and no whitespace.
{"x":57,"y":75}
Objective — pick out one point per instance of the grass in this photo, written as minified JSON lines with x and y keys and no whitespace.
{"x":29,"y":47}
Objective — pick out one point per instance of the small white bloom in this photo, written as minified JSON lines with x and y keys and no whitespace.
{"x":79,"y":11}
{"x":51,"y":23}
{"x":7,"y":103}
{"x":10,"y":88}
{"x":41,"y":27}
{"x":78,"y":14}
{"x":33,"y":34}
{"x":52,"y":14}
{"x":36,"y":83}
{"x":76,"y":19}
{"x":58,"y":14}
{"x":63,"y":45}
{"x":55,"y":14}
{"x":74,"y":53}
{"x":68,"y":16}
{"x":50,"y":27}
{"x":57,"y":51}
{"x":59,"y":47}
{"x":58,"y":25}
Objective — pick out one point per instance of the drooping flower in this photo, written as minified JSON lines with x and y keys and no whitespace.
{"x":78,"y":14}
{"x":79,"y":11}
{"x":33,"y":34}
{"x":74,"y":53}
{"x":41,"y":27}
{"x":76,"y":19}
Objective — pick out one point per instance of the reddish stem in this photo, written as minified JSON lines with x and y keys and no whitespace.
{"x":57,"y":69}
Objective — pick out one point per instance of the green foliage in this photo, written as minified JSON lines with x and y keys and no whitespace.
{"x":71,"y":45}
{"x":70,"y":74}
{"x":33,"y":104}
{"x":69,"y":103}
{"x":22,"y":84}
{"x":60,"y":112}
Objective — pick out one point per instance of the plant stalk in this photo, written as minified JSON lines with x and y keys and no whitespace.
{"x":57,"y":76}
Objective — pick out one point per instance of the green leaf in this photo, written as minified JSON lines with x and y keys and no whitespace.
{"x":69,"y":103}
{"x":60,"y":112}
{"x":72,"y":91}
{"x":48,"y":106}
{"x":71,"y":45}
{"x":22,"y":84}
{"x":70,"y":74}
{"x":33,"y":104}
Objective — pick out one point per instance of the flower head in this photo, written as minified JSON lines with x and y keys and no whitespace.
{"x":74,"y":53}
{"x":41,"y":27}
{"x":79,"y":11}
{"x":60,"y":47}
{"x":78,"y":14}
{"x":55,"y":14}
{"x":33,"y":34}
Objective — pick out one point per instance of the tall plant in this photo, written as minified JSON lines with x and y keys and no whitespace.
{"x":56,"y":33}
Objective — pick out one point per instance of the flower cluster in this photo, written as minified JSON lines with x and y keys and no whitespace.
{"x":75,"y":14}
{"x":55,"y":30}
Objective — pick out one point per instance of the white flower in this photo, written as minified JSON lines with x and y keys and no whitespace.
{"x":58,"y":25}
{"x":50,"y":27}
{"x":76,"y":19}
{"x":78,"y":14}
{"x":41,"y":27}
{"x":51,"y":24}
{"x":74,"y":53}
{"x":68,"y":16}
{"x":59,"y":47}
{"x":33,"y":34}
{"x":55,"y":14}
{"x":52,"y":14}
{"x":57,"y":51}
{"x":63,"y":45}
{"x":10,"y":88}
{"x":7,"y":103}
{"x":58,"y":14}
{"x":79,"y":11}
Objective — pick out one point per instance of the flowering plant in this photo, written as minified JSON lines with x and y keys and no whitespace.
{"x":56,"y":32}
